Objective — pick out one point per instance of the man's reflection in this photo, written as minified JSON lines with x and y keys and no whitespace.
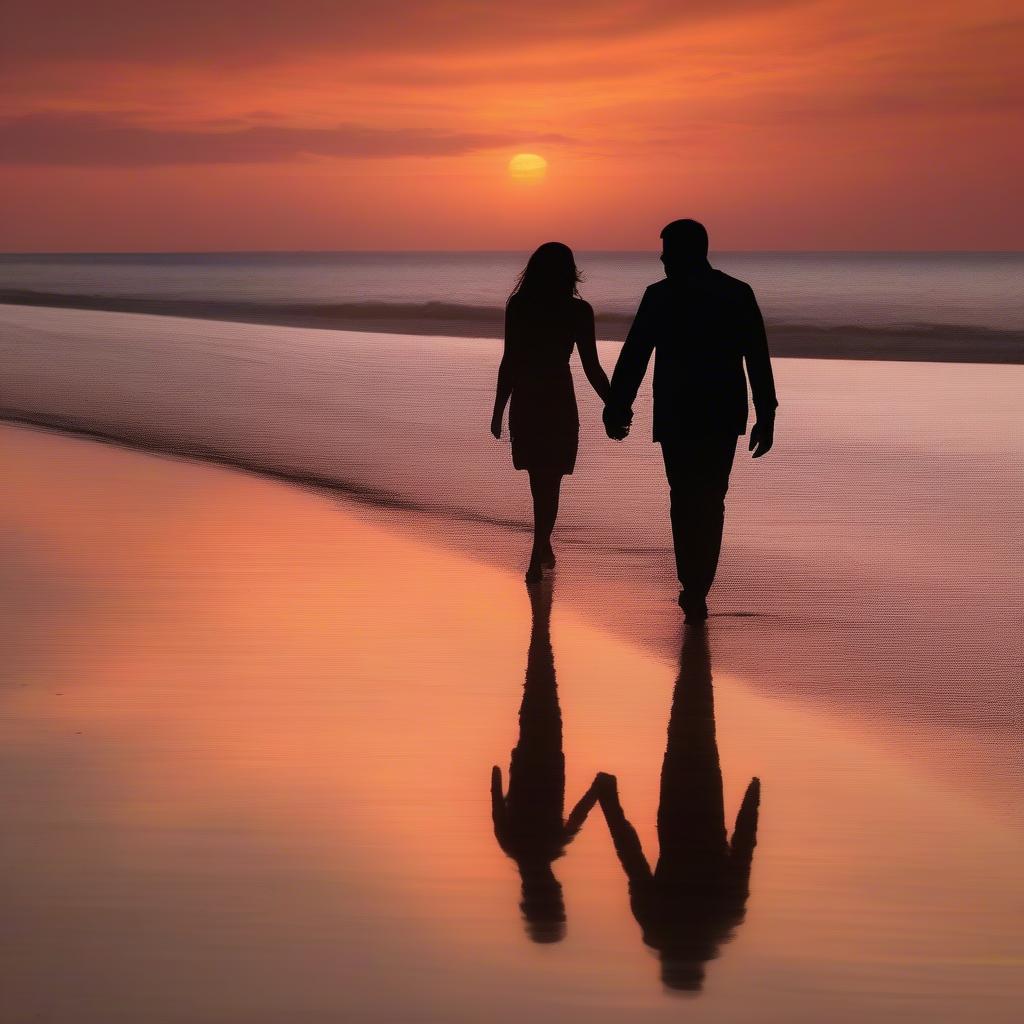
{"x":696,"y":896}
{"x":528,"y":820}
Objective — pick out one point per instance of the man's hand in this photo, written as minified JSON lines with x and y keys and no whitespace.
{"x":607,"y":789}
{"x":496,"y":425}
{"x":762,"y":435}
{"x":616,"y":424}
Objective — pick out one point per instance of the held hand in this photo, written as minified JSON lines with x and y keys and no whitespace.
{"x":496,"y":426}
{"x":616,"y":425}
{"x":762,"y":435}
{"x":607,"y":789}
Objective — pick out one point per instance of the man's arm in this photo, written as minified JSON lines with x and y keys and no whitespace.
{"x":762,"y":381}
{"x":744,"y":834}
{"x":497,"y":805}
{"x":630,"y":368}
{"x":624,"y":837}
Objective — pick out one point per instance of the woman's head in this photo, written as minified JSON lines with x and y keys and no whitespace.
{"x":549,"y":273}
{"x":543,"y":907}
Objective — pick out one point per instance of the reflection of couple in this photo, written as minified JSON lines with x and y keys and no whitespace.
{"x":695,"y":896}
{"x":704,"y":325}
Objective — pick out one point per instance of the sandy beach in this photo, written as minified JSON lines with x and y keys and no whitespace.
{"x":868,"y":555}
{"x":247,"y":738}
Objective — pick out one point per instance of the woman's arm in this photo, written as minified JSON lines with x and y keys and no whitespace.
{"x":587,"y":344}
{"x":579,"y":813}
{"x":504,"y":389}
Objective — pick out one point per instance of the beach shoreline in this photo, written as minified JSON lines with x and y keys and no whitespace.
{"x":898,"y":343}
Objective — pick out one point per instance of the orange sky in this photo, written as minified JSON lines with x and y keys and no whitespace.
{"x":328,"y":124}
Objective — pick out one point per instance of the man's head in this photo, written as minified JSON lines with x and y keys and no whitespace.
{"x":684,"y":245}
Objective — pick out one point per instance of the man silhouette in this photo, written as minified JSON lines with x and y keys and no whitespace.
{"x":704,"y":326}
{"x":693,"y":900}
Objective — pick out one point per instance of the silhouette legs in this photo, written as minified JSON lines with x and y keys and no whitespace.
{"x":545,"y":488}
{"x":698,"y":477}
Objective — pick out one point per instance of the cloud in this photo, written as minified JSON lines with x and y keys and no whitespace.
{"x":87,"y":139}
{"x":253,"y":31}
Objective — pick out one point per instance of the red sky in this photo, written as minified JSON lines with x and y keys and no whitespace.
{"x":329,"y":124}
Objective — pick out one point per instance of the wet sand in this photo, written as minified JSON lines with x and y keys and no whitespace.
{"x":871,"y":552}
{"x":247,"y":741}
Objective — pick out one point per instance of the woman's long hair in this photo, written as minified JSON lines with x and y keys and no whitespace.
{"x":550,"y":273}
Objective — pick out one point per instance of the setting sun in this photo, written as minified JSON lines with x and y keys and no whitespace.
{"x":527,"y":167}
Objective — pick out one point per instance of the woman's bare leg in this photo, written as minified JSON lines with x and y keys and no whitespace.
{"x":545,"y":488}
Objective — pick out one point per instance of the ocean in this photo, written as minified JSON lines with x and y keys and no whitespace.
{"x":962,"y":307}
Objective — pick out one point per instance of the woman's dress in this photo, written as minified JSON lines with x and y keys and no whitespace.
{"x":543,"y":418}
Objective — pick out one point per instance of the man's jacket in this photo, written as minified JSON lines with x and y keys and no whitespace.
{"x":702,"y":327}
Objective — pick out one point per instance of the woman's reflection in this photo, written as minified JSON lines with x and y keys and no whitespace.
{"x":528,"y":820}
{"x":696,"y":896}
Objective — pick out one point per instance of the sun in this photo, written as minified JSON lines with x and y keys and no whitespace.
{"x":527,"y":167}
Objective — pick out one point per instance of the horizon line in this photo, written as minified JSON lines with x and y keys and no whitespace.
{"x":497,"y":252}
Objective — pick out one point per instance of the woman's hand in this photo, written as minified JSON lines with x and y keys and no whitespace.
{"x":496,"y":425}
{"x":616,"y":425}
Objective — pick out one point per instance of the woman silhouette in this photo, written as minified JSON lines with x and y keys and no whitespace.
{"x":544,"y":319}
{"x":529,"y":821}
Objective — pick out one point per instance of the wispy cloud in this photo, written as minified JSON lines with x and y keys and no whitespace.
{"x":795,"y":122}
{"x":254,"y":31}
{"x":87,"y":139}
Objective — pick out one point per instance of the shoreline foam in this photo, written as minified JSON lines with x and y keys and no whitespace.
{"x":912,"y":342}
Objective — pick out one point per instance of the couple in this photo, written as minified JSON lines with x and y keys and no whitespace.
{"x":704,"y":326}
{"x":690,"y":901}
